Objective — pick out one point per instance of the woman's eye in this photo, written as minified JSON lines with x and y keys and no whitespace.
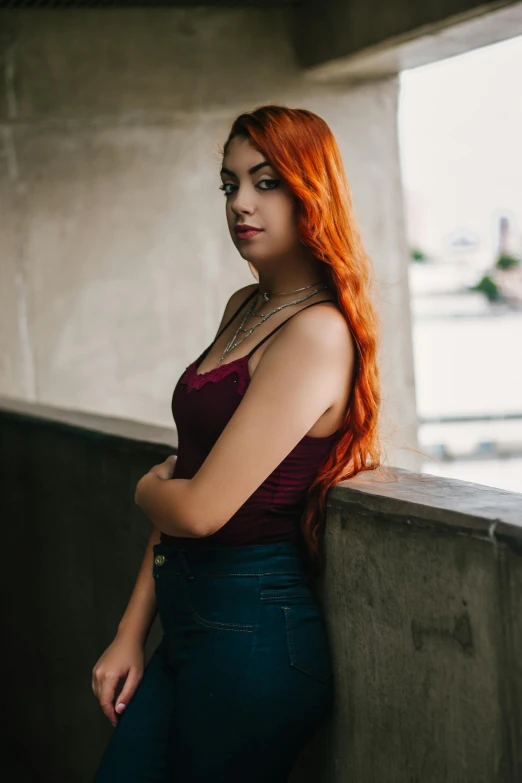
{"x":270,"y":183}
{"x":224,"y":188}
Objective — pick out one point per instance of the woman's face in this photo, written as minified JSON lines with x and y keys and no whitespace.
{"x":260,"y":199}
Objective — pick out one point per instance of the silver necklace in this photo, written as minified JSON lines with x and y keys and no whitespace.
{"x":267,"y":296}
{"x":232,"y":344}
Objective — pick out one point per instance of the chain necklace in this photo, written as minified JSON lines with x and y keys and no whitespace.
{"x":267,"y":296}
{"x":232,"y":344}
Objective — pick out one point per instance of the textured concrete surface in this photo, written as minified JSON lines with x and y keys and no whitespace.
{"x":432,"y":499}
{"x":116,"y":259}
{"x":421,"y":596}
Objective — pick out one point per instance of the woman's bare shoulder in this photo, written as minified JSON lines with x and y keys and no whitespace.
{"x":241,"y":294}
{"x":234,"y":302}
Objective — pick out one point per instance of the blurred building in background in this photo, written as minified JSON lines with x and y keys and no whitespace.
{"x":462,"y":172}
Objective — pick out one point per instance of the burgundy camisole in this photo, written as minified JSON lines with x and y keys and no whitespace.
{"x":202,"y":404}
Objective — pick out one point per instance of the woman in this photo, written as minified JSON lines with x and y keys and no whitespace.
{"x":282,"y":405}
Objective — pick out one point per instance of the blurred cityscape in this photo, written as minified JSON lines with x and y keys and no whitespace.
{"x":466,"y":273}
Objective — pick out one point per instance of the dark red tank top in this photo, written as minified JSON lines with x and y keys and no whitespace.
{"x":202,"y":404}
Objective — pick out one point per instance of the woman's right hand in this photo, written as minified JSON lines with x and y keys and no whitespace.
{"x":123,"y":658}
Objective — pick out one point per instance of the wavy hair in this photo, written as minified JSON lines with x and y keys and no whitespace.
{"x":304,"y":151}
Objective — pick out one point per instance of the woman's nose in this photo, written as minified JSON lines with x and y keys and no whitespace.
{"x":243,"y":201}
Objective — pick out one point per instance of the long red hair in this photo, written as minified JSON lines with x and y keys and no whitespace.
{"x":304,"y":151}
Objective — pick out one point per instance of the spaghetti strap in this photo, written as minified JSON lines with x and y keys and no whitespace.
{"x":249,"y":297}
{"x":283,"y":323}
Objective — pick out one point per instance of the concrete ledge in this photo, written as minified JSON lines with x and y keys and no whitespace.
{"x":91,"y":423}
{"x":422,"y":600}
{"x":419,"y":498}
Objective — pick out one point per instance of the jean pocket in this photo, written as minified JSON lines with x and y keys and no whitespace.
{"x":296,"y":594}
{"x":224,"y":603}
{"x":307,"y":642}
{"x":222,"y":626}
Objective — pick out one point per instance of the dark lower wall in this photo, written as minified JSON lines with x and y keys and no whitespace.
{"x":73,"y":541}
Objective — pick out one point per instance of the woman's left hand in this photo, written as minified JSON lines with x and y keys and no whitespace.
{"x":165,"y":470}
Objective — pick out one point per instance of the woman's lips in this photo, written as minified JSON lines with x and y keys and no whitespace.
{"x":248,"y":234}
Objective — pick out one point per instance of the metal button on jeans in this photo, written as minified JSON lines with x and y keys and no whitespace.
{"x":159,"y":559}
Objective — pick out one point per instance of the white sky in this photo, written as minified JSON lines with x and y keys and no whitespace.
{"x":460,"y":125}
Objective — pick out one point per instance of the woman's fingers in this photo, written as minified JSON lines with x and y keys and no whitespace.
{"x":107,"y":689}
{"x":127,"y":692}
{"x":122,"y":660}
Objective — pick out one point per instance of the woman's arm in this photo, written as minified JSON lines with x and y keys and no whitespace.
{"x":301,"y":374}
{"x":141,"y":610}
{"x":124,"y":658}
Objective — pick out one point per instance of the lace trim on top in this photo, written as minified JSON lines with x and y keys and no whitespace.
{"x":238,"y":366}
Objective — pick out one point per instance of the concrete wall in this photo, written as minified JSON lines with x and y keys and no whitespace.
{"x":110,"y":127}
{"x":421,"y":595}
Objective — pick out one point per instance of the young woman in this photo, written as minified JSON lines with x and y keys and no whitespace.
{"x":282,"y":405}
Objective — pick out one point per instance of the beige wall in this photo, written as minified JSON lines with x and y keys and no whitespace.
{"x":115,"y":259}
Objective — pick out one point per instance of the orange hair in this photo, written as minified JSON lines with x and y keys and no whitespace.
{"x":304,"y":151}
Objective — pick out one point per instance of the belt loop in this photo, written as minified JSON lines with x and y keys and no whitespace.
{"x":185,"y":566}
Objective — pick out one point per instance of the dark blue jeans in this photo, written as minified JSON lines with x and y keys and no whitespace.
{"x":241,"y":679}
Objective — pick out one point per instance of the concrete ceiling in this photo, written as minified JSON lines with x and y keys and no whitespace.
{"x":64,"y":4}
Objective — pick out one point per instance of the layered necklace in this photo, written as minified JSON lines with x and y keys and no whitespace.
{"x":264,"y":316}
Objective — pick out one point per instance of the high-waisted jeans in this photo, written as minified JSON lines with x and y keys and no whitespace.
{"x":241,"y":679}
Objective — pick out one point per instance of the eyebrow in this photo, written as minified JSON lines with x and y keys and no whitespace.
{"x":250,"y":171}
